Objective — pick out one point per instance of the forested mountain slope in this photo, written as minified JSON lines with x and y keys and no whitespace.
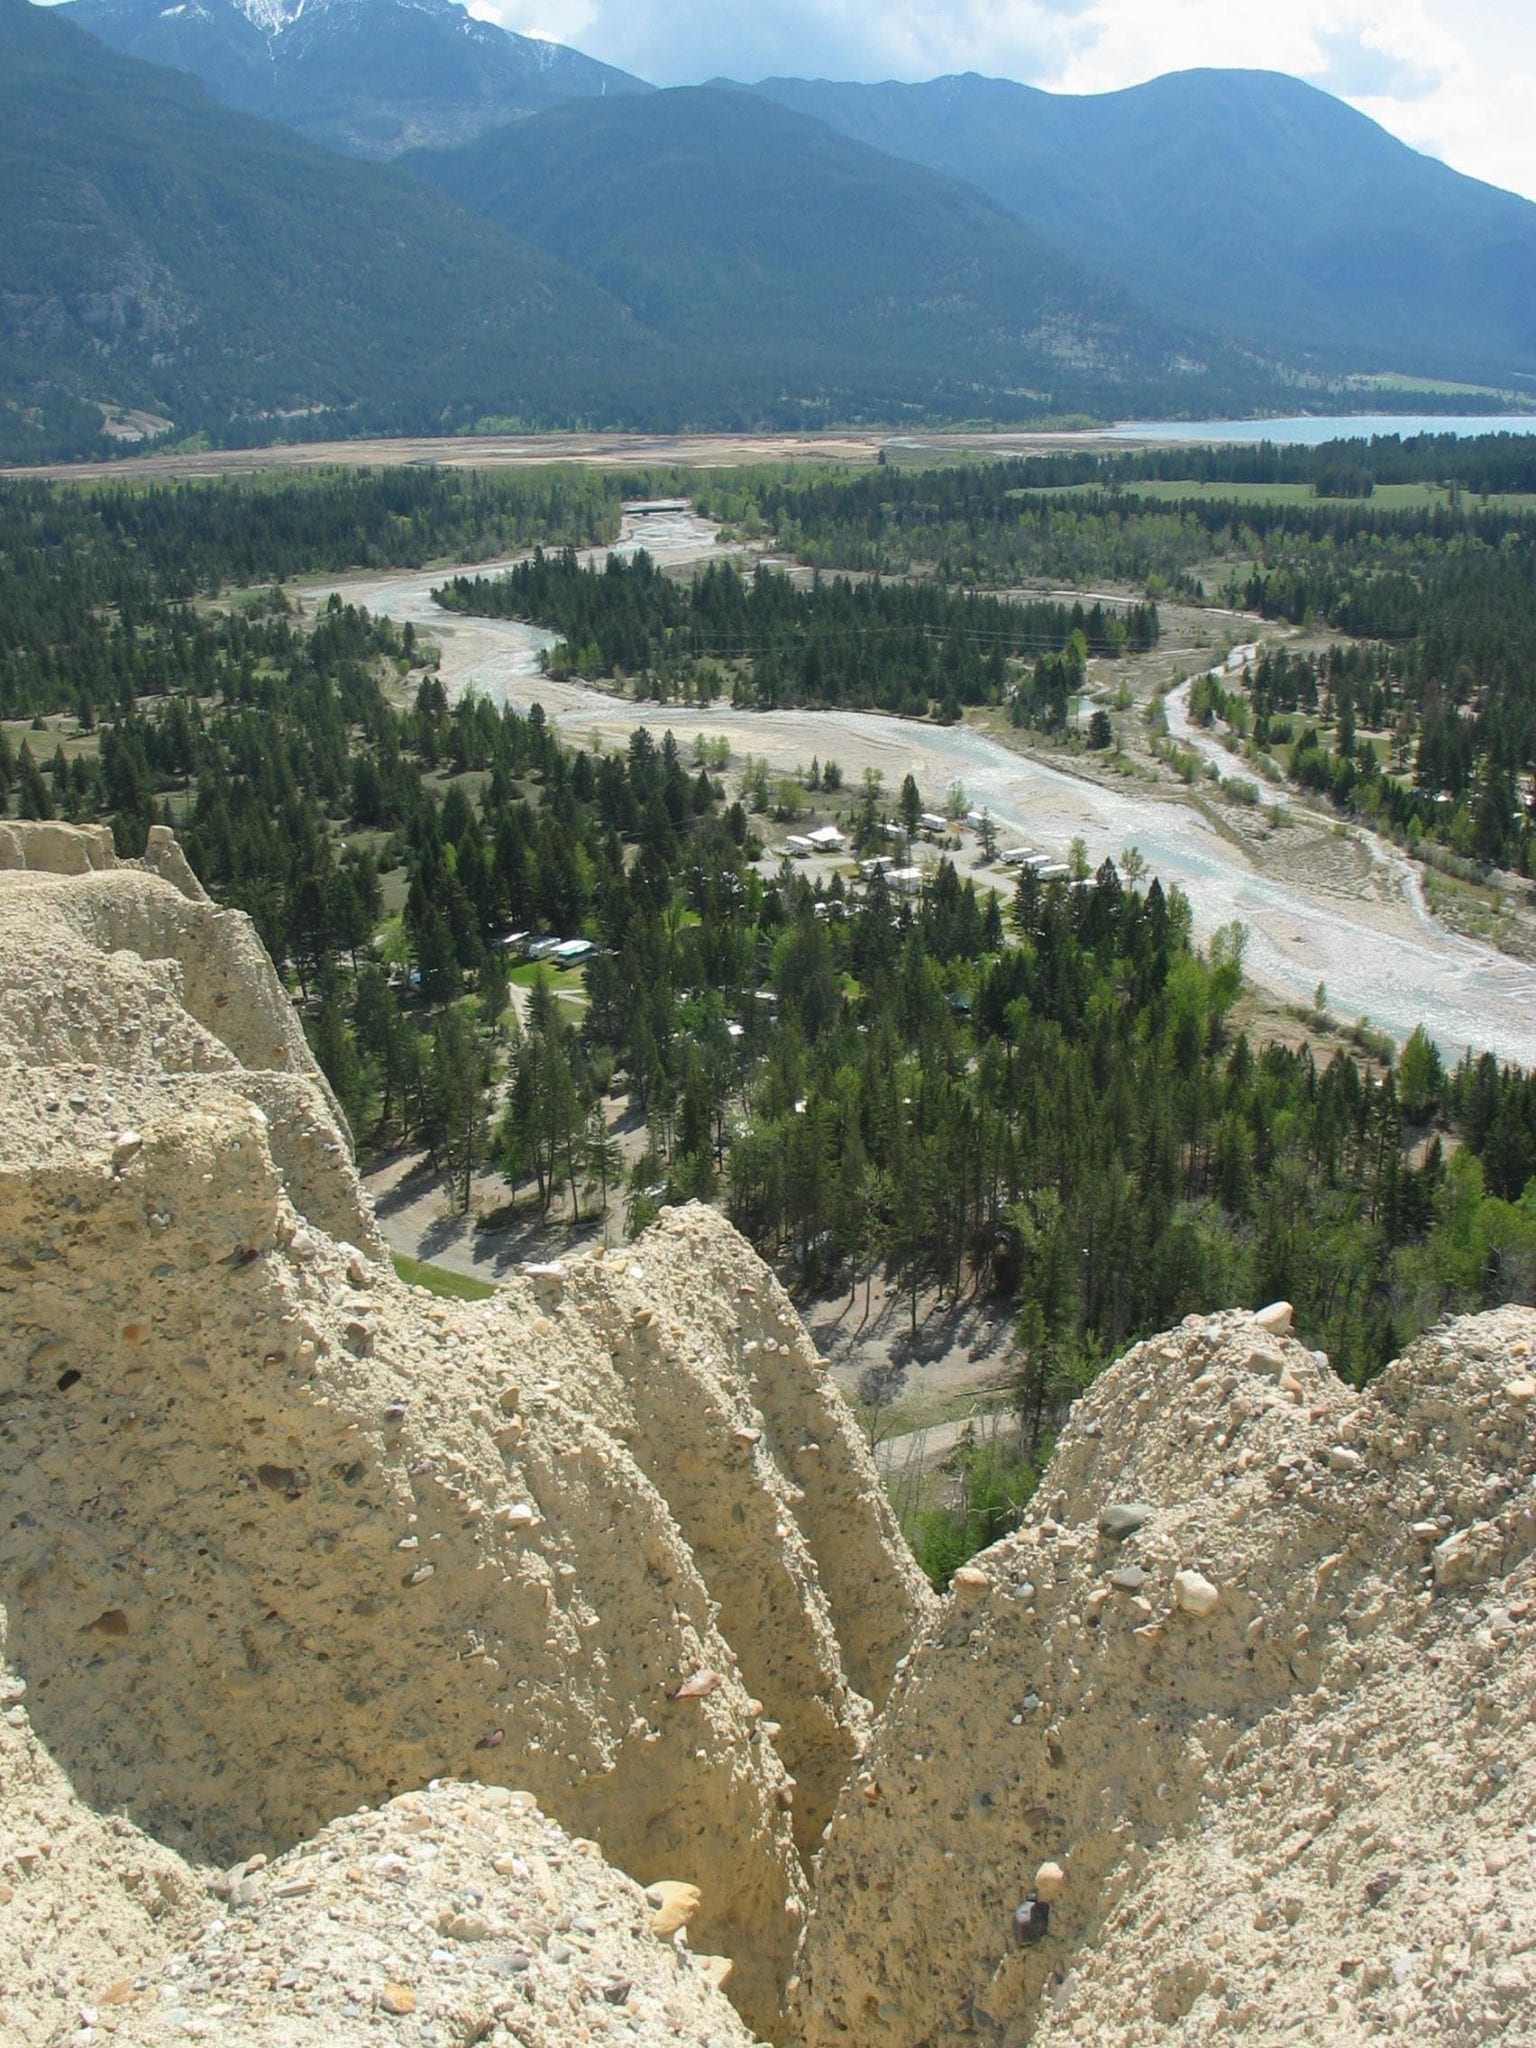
{"x":1261,"y":206}
{"x":1211,"y":240}
{"x":760,"y":239}
{"x":159,"y":251}
{"x":220,"y":274}
{"x":371,"y":77}
{"x":708,"y":259}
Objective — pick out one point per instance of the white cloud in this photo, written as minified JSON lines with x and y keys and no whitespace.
{"x":1480,"y":125}
{"x":1454,"y":80}
{"x":683,"y":41}
{"x":1436,"y":74}
{"x":1396,"y":46}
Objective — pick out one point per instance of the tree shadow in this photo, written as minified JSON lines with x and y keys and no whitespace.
{"x":414,"y":1185}
{"x":840,"y":1328}
{"x":444,"y":1231}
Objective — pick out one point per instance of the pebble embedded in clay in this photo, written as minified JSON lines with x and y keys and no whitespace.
{"x":1194,"y":1593}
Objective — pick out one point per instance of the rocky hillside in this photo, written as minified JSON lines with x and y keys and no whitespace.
{"x":377,"y":1668}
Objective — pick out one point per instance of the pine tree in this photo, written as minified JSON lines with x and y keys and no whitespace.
{"x":454,"y":1127}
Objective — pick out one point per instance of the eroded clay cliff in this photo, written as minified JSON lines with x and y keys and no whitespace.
{"x":367,"y":1655}
{"x":284,"y":1536}
{"x":1246,"y":1707}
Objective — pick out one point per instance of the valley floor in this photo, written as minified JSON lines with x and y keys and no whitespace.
{"x":1323,"y":903}
{"x":605,"y":451}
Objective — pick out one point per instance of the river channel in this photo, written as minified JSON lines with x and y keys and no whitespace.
{"x":1387,"y":961}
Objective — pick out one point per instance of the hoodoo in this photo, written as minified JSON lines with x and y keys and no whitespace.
{"x":1264,"y":1746}
{"x":378,"y":1668}
{"x":284,"y":1537}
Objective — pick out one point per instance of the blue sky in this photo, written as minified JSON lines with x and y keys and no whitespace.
{"x":1456,"y":78}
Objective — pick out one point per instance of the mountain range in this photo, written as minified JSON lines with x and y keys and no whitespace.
{"x":599,"y":252}
{"x":371,"y":77}
{"x":1246,"y":200}
{"x":159,"y":251}
{"x":745,"y":233}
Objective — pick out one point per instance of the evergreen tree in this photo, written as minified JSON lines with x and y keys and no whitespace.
{"x":454,"y":1120}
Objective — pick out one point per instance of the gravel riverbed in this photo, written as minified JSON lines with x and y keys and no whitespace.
{"x":1378,"y":953}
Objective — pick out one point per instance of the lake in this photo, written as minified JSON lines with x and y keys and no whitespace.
{"x":1309,"y":431}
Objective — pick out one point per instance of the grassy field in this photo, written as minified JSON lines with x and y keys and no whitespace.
{"x":564,"y":980}
{"x":438,"y":1280}
{"x":1394,"y":380}
{"x":1386,"y":498}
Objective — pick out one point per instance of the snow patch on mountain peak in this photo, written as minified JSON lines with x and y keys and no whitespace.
{"x":270,"y":16}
